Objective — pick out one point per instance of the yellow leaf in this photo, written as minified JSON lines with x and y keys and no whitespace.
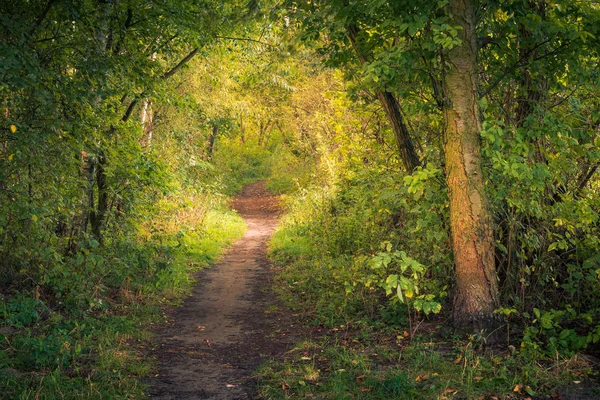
{"x":11,"y":157}
{"x":34,"y":218}
{"x":13,"y":128}
{"x":518,"y":388}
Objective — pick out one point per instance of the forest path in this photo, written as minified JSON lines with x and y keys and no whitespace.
{"x":231,"y":322}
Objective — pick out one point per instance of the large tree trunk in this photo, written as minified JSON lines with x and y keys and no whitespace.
{"x":476,"y":291}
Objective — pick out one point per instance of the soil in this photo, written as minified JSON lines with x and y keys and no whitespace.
{"x":231,"y":323}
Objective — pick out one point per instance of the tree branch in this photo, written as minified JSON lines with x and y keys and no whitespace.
{"x":586,"y":178}
{"x":42,"y":16}
{"x":166,"y":75}
{"x":246,"y":40}
{"x":181,"y":63}
{"x":521,"y":62}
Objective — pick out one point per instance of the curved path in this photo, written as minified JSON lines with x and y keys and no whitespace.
{"x":223,"y":331}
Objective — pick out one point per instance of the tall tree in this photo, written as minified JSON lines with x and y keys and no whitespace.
{"x":476,"y":291}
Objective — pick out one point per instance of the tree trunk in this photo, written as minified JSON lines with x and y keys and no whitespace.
{"x":242,"y":130}
{"x":529,"y":92}
{"x":147,"y":119}
{"x":95,"y":165}
{"x":211,"y":140}
{"x":98,"y":213}
{"x":476,"y":291}
{"x":406,"y":149}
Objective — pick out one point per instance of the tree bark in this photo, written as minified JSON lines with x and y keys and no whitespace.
{"x":476,"y":291}
{"x":147,"y":118}
{"x":404,"y":142}
{"x":211,"y":140}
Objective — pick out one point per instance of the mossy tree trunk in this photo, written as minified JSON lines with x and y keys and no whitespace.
{"x":476,"y":291}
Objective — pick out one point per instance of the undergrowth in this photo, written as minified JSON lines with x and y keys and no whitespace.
{"x":80,"y":331}
{"x":372,"y":252}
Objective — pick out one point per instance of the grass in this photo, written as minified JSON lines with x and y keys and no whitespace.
{"x":419,"y":369}
{"x":367,"y":352}
{"x":48,"y":351}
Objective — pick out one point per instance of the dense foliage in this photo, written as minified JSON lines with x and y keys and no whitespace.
{"x":379,"y":227}
{"x":103,"y":215}
{"x":126,"y":123}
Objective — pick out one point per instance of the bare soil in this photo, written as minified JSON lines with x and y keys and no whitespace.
{"x":231,"y":322}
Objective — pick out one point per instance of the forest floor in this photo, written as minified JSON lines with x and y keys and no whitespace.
{"x":232,"y":320}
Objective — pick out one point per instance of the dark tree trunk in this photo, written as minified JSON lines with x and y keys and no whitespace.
{"x":404,"y":142}
{"x":211,"y":140}
{"x":98,"y":213}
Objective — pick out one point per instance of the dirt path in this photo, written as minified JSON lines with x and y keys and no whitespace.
{"x":224,"y":330}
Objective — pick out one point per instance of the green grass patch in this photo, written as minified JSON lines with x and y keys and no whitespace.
{"x":87,"y":340}
{"x":422,"y":369}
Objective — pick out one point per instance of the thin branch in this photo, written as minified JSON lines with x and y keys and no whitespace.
{"x":521,"y":62}
{"x":166,"y":75}
{"x":130,"y":109}
{"x":586,"y":178}
{"x":246,"y":40}
{"x":42,"y":16}
{"x":180,"y":64}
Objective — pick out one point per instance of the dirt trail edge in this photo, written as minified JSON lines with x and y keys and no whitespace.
{"x":230,"y":323}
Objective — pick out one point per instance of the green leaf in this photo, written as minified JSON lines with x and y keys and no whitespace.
{"x":399,"y":292}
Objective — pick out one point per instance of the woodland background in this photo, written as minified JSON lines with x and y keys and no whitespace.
{"x":126,"y":124}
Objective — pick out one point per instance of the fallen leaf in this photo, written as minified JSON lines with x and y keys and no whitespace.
{"x":459,"y":359}
{"x":518,"y":388}
{"x":207,"y":342}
